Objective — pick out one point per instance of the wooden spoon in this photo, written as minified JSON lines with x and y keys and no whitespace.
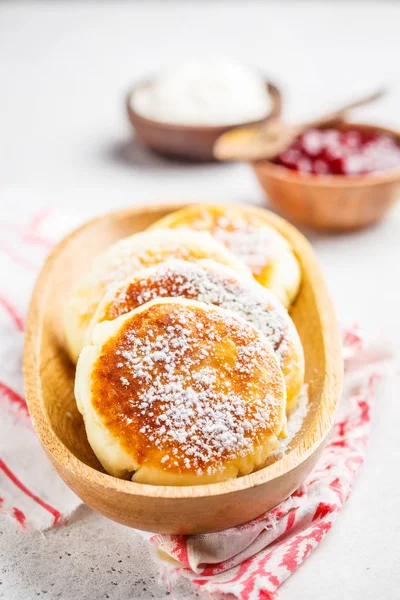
{"x":267,"y":140}
{"x":49,"y":385}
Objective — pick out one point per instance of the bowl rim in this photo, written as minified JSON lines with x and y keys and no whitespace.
{"x":334,"y":181}
{"x":62,"y":456}
{"x":272,"y":89}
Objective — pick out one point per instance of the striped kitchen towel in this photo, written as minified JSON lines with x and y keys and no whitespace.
{"x":30,"y":490}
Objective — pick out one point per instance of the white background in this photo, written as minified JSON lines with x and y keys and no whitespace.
{"x":65,"y":141}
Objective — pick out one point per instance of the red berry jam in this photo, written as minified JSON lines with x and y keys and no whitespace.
{"x":334,"y":152}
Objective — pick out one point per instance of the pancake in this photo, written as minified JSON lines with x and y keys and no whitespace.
{"x":212,"y":283}
{"x":125,"y":258}
{"x":247,"y":233}
{"x":178,"y":392}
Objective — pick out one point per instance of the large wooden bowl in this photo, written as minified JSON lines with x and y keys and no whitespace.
{"x":187,"y":142}
{"x":49,"y":383}
{"x":331,"y":202}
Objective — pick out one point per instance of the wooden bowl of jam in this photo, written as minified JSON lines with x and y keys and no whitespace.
{"x":339,"y":178}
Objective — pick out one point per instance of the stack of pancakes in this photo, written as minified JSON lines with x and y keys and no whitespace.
{"x":187,"y":359}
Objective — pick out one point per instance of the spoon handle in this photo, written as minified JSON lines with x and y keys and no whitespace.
{"x":257,"y":142}
{"x":340,"y":112}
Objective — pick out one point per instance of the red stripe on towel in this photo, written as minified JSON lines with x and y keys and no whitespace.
{"x":13,"y":397}
{"x":17,"y":258}
{"x":12,"y":477}
{"x":12,"y":312}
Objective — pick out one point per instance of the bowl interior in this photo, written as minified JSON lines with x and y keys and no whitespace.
{"x":52,"y":404}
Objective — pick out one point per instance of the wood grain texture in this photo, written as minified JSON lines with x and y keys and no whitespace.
{"x":49,"y":380}
{"x":187,"y":142}
{"x":331,"y":202}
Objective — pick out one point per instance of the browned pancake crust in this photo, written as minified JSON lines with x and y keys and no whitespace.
{"x":187,"y":389}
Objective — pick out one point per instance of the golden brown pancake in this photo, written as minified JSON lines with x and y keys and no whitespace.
{"x":178,"y":392}
{"x":125,"y":258}
{"x":247,"y":234}
{"x":212,"y":283}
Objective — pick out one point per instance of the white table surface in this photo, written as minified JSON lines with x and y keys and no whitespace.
{"x":65,"y":141}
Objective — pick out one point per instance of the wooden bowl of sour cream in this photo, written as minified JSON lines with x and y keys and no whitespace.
{"x":183,"y":141}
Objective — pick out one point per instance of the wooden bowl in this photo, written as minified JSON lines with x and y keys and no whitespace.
{"x":331,"y":202}
{"x":187,"y":142}
{"x":49,"y":385}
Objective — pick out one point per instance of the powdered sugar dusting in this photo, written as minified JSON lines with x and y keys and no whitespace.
{"x":203,"y":384}
{"x":138,"y":251}
{"x":256,"y":245}
{"x":152,"y":247}
{"x":212,"y":284}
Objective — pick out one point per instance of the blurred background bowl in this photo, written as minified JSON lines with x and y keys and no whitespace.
{"x":331,"y":202}
{"x":187,"y":142}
